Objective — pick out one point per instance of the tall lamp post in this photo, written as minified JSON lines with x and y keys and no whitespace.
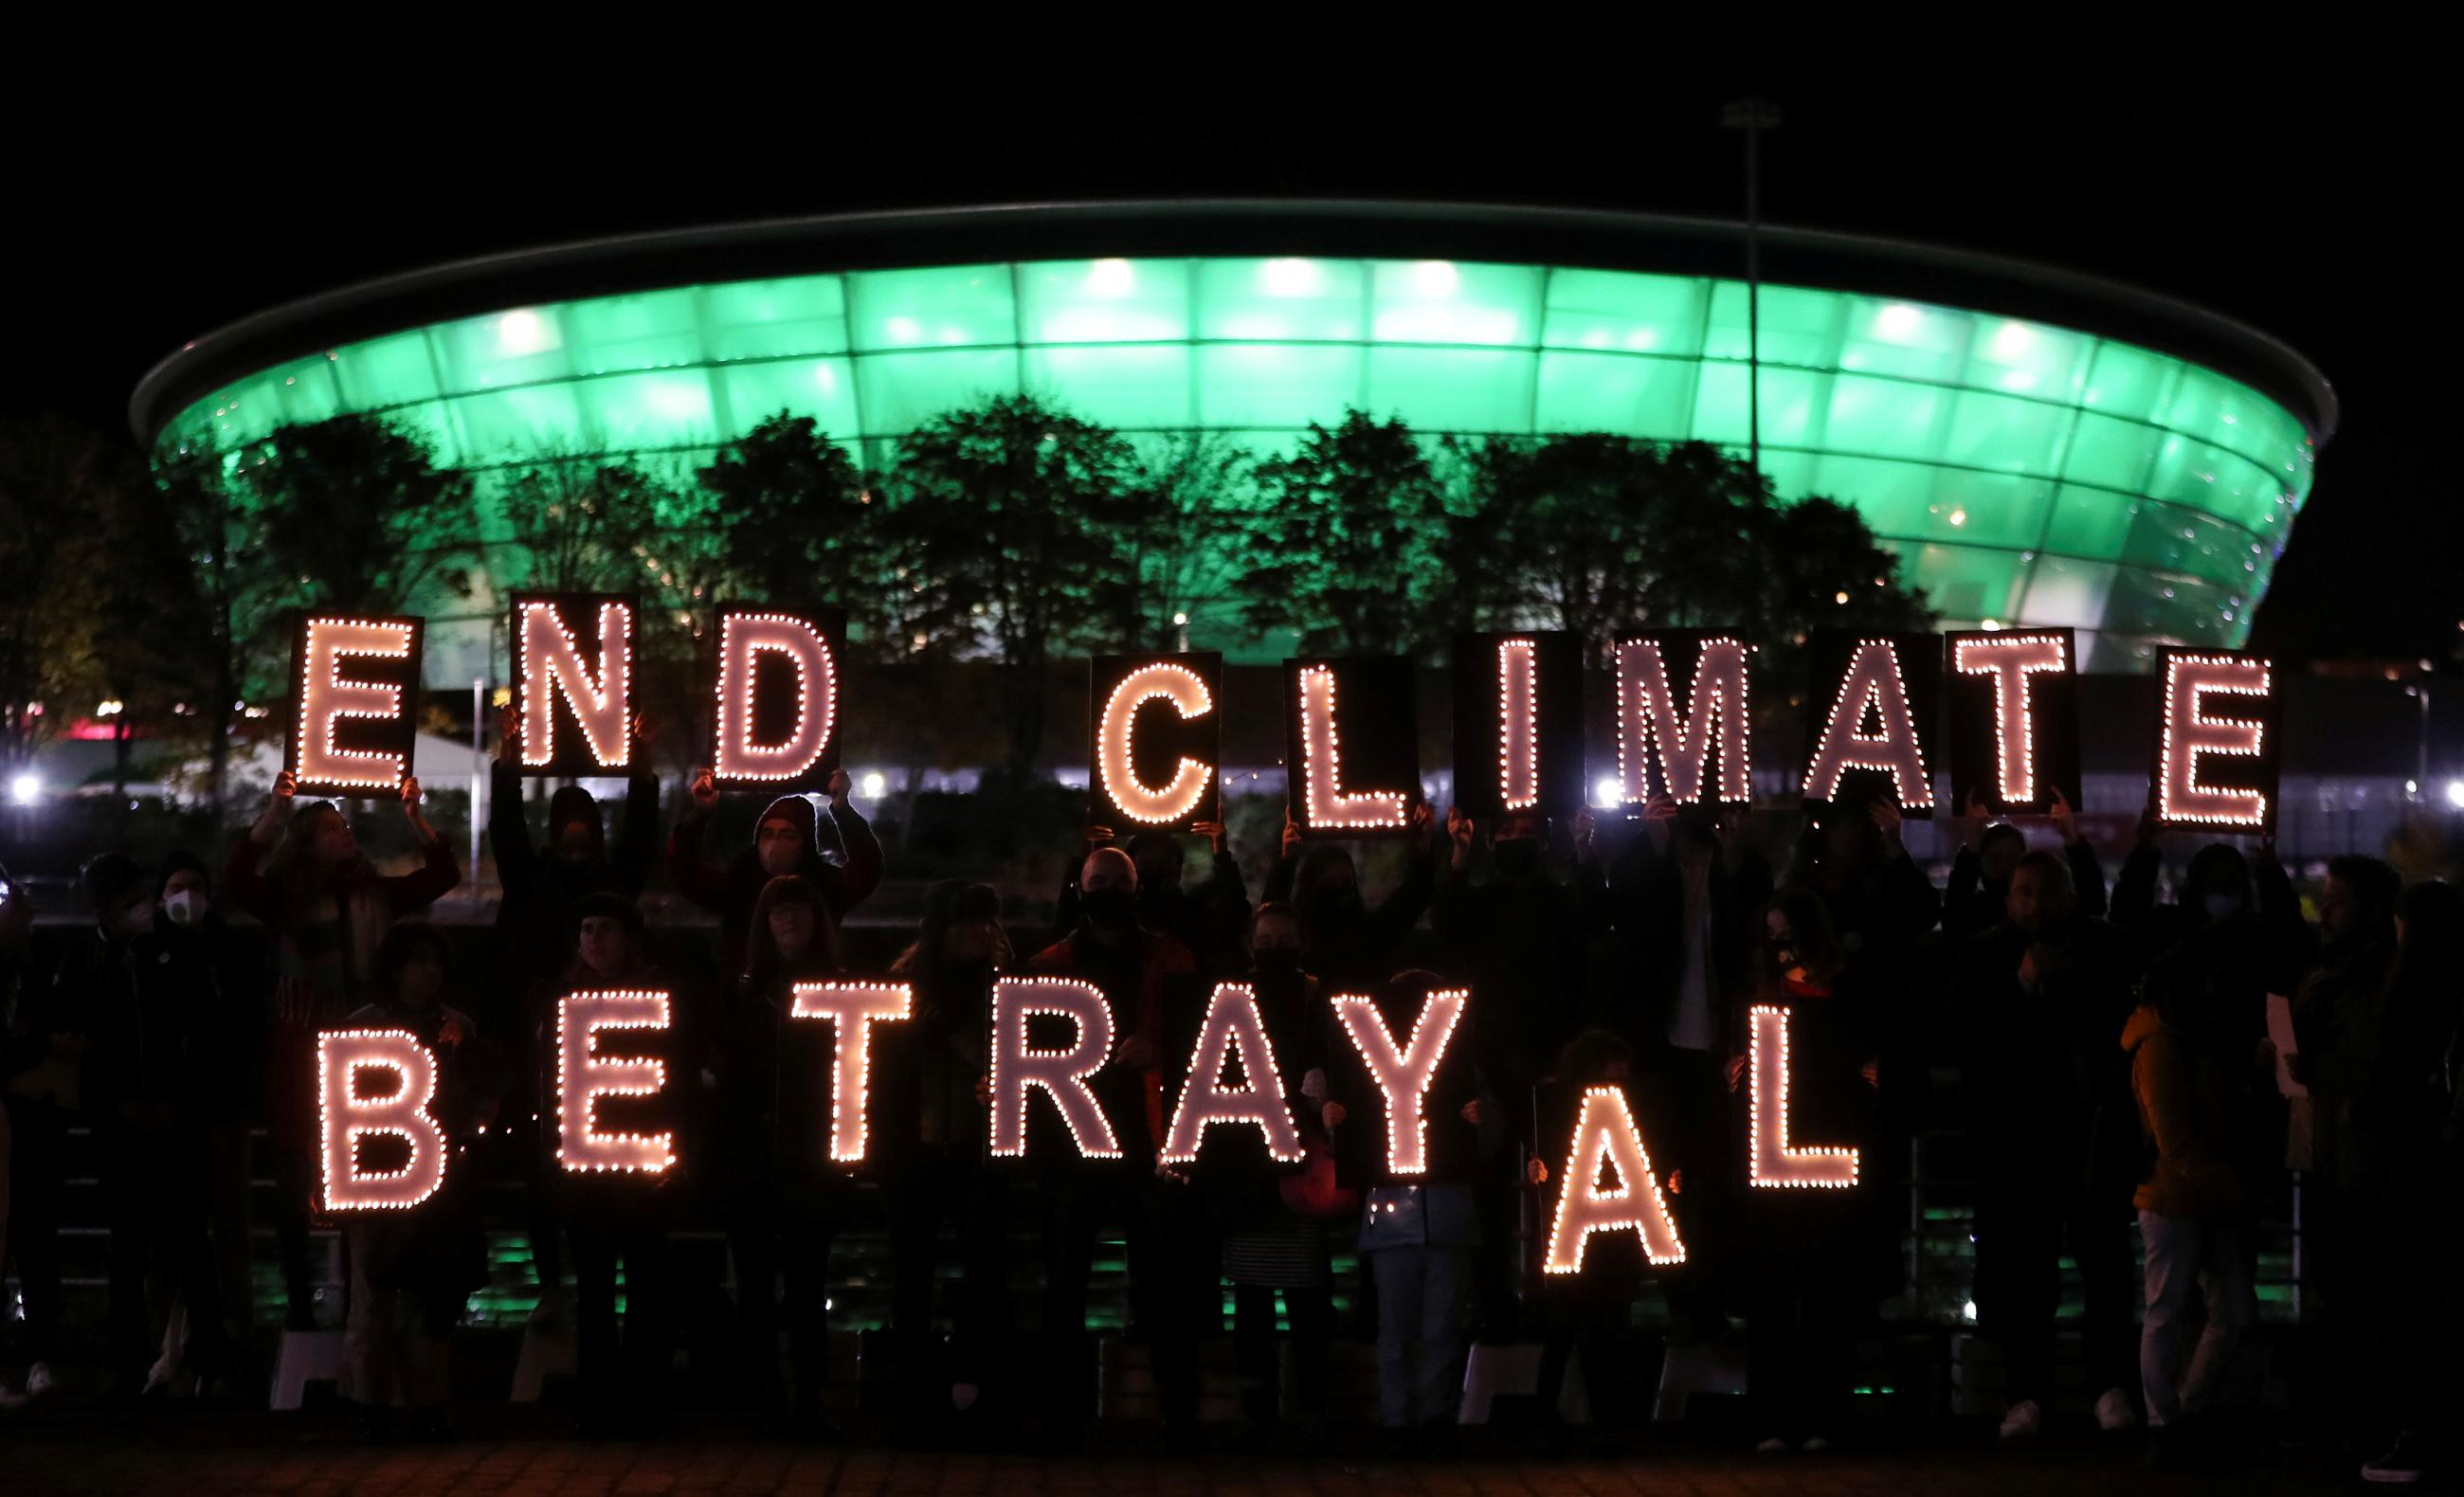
{"x":1754,"y":114}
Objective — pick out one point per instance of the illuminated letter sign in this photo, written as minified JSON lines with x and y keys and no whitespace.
{"x":1891,"y":680}
{"x":573,"y":680}
{"x":1062,"y":1074}
{"x":2014,"y":718}
{"x":347,"y":1116}
{"x":1403,"y":1075}
{"x":852,"y":1009}
{"x":772,"y":735}
{"x":2195,"y":729}
{"x":1661,"y":752}
{"x":355,"y":676}
{"x":1232,"y":1026}
{"x":583,"y":1076}
{"x":1604,"y":1134}
{"x":1774,"y":1160}
{"x":1372,"y":699}
{"x":1154,"y":769}
{"x":1518,"y":723}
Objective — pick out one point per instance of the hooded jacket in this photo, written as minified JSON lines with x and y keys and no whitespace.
{"x":2190,"y":1108}
{"x":543,"y":891}
{"x":731,"y":889}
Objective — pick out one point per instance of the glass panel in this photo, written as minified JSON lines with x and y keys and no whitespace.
{"x":771,"y":318}
{"x":1613,"y":392}
{"x":1289,"y":297}
{"x":1907,"y":338}
{"x":1129,"y":387}
{"x":1968,"y":582}
{"x":1105,"y":301}
{"x":510,"y":426}
{"x":821,"y":389}
{"x":386,"y":371}
{"x":1629,"y":313}
{"x":2167,"y":538}
{"x":2130,"y":381}
{"x":522,"y":346}
{"x":1798,"y":326}
{"x":1271,"y":386}
{"x":949,"y":307}
{"x":1453,"y":389}
{"x":2027,"y":359}
{"x":1448,"y":301}
{"x":653,"y":331}
{"x":2113,"y":452}
{"x":899,"y":392}
{"x":1886,"y":418}
{"x":2067,"y":591}
{"x":2005,"y":433}
{"x":2090,"y":522}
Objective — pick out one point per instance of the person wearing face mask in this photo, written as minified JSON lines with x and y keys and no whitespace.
{"x":2338,"y":1014}
{"x":1211,"y":920}
{"x":1273,"y":1222}
{"x":2235,"y":916}
{"x":781,"y":1200}
{"x":2038,"y":999}
{"x":1815,"y":1260}
{"x":145,"y":1009}
{"x":1142,"y":974}
{"x":300,"y":872}
{"x":622,"y":1372}
{"x":413,"y":1272}
{"x":836,"y":852}
{"x":927,"y":1131}
{"x":1347,"y":944}
{"x":1522,"y":940}
{"x":1990,"y":850}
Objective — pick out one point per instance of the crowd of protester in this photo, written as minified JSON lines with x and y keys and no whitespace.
{"x":2111,"y":1051}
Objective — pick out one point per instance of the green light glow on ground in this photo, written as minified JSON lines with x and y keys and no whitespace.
{"x":2023,"y":472}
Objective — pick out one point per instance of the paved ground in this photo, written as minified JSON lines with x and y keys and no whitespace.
{"x":527,"y":1453}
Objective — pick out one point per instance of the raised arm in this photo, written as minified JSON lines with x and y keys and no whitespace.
{"x":434,"y":878}
{"x":693,"y":874}
{"x":508,"y":833}
{"x":853,"y":881}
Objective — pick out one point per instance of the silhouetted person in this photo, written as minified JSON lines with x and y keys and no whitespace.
{"x":837,"y":851}
{"x":2040,"y":1000}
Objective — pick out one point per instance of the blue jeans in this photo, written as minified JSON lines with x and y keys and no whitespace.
{"x":2191,"y":1258}
{"x":1423,"y":1305}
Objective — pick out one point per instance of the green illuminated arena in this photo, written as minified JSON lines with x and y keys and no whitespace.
{"x":2038,"y":446}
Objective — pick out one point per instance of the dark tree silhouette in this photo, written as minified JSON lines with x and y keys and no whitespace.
{"x":1184,"y":541}
{"x":55,"y":476}
{"x":1010,"y":516}
{"x":798,"y":523}
{"x":1598,"y":534}
{"x":586,"y":523}
{"x":353,"y":513}
{"x":1342,"y":550}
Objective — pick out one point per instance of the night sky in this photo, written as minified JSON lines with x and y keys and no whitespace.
{"x":2211,"y":183}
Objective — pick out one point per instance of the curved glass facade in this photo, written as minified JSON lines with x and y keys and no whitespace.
{"x":2024,"y":472}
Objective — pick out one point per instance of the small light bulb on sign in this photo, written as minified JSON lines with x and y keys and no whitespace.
{"x":2009,"y":659}
{"x":1774,"y":1161}
{"x":852,"y":1009}
{"x":583,"y":1076}
{"x":2183,"y":797}
{"x":1605,"y":1134}
{"x":327,"y":698}
{"x":1186,"y":690}
{"x":547,"y":662}
{"x":1061,"y":1074}
{"x":1232,"y":1026}
{"x":1403,"y":1074}
{"x":1648,"y":723}
{"x":1518,"y":727}
{"x":743,"y":638}
{"x":1873,"y":687}
{"x":1328,"y":806}
{"x":345,"y":1117}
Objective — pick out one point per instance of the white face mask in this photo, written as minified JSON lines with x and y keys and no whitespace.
{"x":182,"y":908}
